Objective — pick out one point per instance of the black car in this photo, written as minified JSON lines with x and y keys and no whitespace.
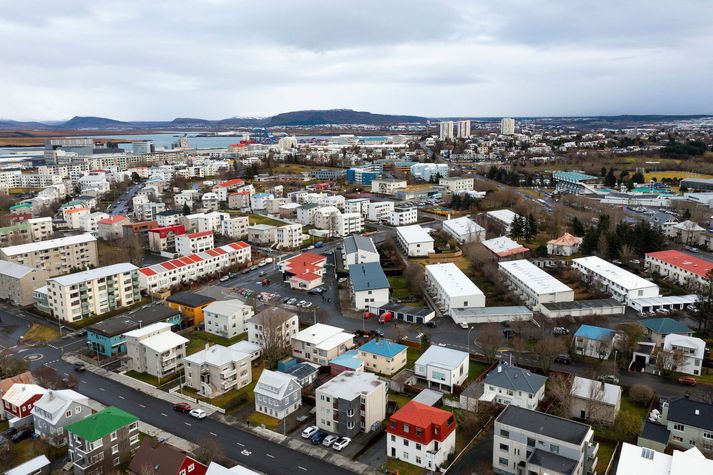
{"x":10,"y":432}
{"x":563,"y":359}
{"x":431,"y":324}
{"x":79,"y":366}
{"x":22,"y":435}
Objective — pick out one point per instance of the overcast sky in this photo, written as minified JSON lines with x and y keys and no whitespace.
{"x":155,"y":60}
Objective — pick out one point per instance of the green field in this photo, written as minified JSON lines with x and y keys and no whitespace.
{"x":257,"y":219}
{"x":198,"y":340}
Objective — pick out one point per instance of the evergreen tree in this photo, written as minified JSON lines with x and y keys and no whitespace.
{"x":610,"y":179}
{"x":576,"y":227}
{"x":603,"y":172}
{"x":186,"y":209}
{"x":517,"y":227}
{"x":687,"y":214}
{"x":590,"y":241}
{"x":532,"y":225}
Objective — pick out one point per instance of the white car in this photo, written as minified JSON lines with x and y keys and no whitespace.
{"x":198,"y":413}
{"x":341,"y":444}
{"x":463,"y":325}
{"x":329,"y":440}
{"x":309,"y":432}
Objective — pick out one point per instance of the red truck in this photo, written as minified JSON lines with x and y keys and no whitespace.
{"x":385,"y":317}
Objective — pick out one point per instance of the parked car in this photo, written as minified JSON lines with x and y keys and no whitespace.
{"x":341,"y":444}
{"x":385,"y":317}
{"x":318,"y":437}
{"x":687,"y":380}
{"x":431,"y":324}
{"x":232,"y":275}
{"x":329,"y":440}
{"x":10,"y":432}
{"x":463,"y":325}
{"x":292,"y":301}
{"x":22,"y":435}
{"x":564,"y":358}
{"x":182,"y":407}
{"x":307,"y":305}
{"x":265,"y":282}
{"x":198,"y":413}
{"x":79,"y":366}
{"x":225,"y":278}
{"x":309,"y":432}
{"x":286,"y":299}
{"x":560,"y":331}
{"x":608,"y":378}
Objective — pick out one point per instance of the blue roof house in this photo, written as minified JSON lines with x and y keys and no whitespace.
{"x":383,"y":356}
{"x":595,"y":342}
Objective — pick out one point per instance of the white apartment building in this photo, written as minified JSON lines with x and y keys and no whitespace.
{"x":217,"y":370}
{"x":503,"y":218}
{"x":349,"y":223}
{"x":289,"y":236}
{"x":684,"y":354}
{"x":321,"y":343}
{"x":369,"y":285}
{"x":155,"y":350}
{"x":262,"y":234}
{"x":357,"y":205}
{"x":429,"y":171}
{"x":463,"y":129}
{"x":380,"y":211}
{"x":387,"y":186}
{"x":464,"y":230}
{"x":533,"y":285}
{"x":455,"y":184}
{"x":621,"y":284}
{"x":212,"y":221}
{"x":166,"y":275}
{"x":187,"y":244}
{"x":326,"y":217}
{"x":236,"y":227}
{"x":40,"y":228}
{"x":403,"y":216}
{"x":89,"y":223}
{"x":507,"y":126}
{"x":186,"y":197}
{"x":97,"y":291}
{"x":168,"y":218}
{"x":227,"y":318}
{"x":57,"y":256}
{"x":451,"y":288}
{"x":414,"y":240}
{"x":358,"y":249}
{"x":509,"y":384}
{"x":446,"y":130}
{"x":73,"y":217}
{"x":273,"y":326}
{"x":442,"y":368}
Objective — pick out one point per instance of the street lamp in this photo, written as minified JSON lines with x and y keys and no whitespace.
{"x":470,"y":328}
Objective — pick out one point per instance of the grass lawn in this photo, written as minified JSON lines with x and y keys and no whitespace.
{"x":402,"y":468}
{"x":475,"y":369}
{"x":412,"y":354}
{"x":233,"y":400}
{"x":41,"y":333}
{"x":257,"y":219}
{"x":628,"y":406}
{"x":258,"y":418}
{"x":198,"y":340}
{"x":152,"y":380}
{"x":606,"y":451}
{"x":400,"y":289}
{"x":31,"y":448}
{"x":402,"y":399}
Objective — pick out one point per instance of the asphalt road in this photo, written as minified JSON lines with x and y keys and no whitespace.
{"x":121,"y":205}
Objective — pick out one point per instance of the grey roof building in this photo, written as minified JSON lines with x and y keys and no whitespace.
{"x":369,"y":276}
{"x":359,"y":249}
{"x":690,"y":423}
{"x":508,"y":384}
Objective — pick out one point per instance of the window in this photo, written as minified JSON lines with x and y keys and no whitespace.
{"x":679,"y":427}
{"x":406,"y":428}
{"x":418,"y":446}
{"x":393,"y":438}
{"x":677,"y":438}
{"x":708,"y":435}
{"x":182,"y":472}
{"x":505,"y":447}
{"x":68,"y":414}
{"x":78,"y":409}
{"x":114,"y":449}
{"x":504,"y":433}
{"x":418,"y":459}
{"x":530,"y":442}
{"x":503,"y":461}
{"x":555,"y":449}
{"x":406,"y":442}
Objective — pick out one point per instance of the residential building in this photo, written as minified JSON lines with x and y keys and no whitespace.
{"x":289,"y":236}
{"x":303,"y":271}
{"x":689,"y":423}
{"x":351,"y":403}
{"x":320,"y":343}
{"x":155,"y":350}
{"x":73,"y":217}
{"x":383,"y":356}
{"x":236,"y":227}
{"x":97,"y":291}
{"x":227,"y":318}
{"x":273,"y":327}
{"x":217,"y":370}
{"x":168,"y":218}
{"x":41,"y":229}
{"x":277,"y":394}
{"x":369,"y":285}
{"x":464,"y":230}
{"x":414,"y":240}
{"x":565,"y":245}
{"x":451,"y":288}
{"x":387,"y":186}
{"x":595,"y":342}
{"x":594,"y":401}
{"x":679,"y":267}
{"x":636,"y":459}
{"x":306,"y":214}
{"x":358,"y":249}
{"x":57,"y":409}
{"x":89,"y":223}
{"x":138,"y":231}
{"x":403,"y":216}
{"x":57,"y":256}
{"x":160,"y":458}
{"x":18,"y":282}
{"x":184,"y":270}
{"x":442,"y":368}
{"x":510,"y":385}
{"x":430,"y":172}
{"x":683,"y":354}
{"x":239,"y":200}
{"x":163,"y":239}
{"x":262,"y":234}
{"x":380,"y":211}
{"x":507,"y":126}
{"x":463,"y":129}
{"x":103,"y":441}
{"x":502,"y":218}
{"x":39,"y":465}
{"x":191,"y":306}
{"x":18,"y":401}
{"x":533,"y":285}
{"x":527,"y":441}
{"x":421,"y":435}
{"x":446,"y":130}
{"x":621,"y":284}
{"x":193,"y":243}
{"x":504,"y":248}
{"x":456,"y":184}
{"x":656,"y":329}
{"x":111,"y":228}
{"x":106,"y":338}
{"x":348,"y":223}
{"x":347,"y":361}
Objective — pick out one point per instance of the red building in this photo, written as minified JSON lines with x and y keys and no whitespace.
{"x":421,"y":435}
{"x":19,"y":400}
{"x":164,"y":238}
{"x":139,"y":230}
{"x":163,"y":459}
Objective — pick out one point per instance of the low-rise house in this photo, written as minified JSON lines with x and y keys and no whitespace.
{"x":320,"y":343}
{"x":383,"y":356}
{"x":682,"y":353}
{"x":244,"y":346}
{"x":656,"y":329}
{"x":347,"y":361}
{"x":217,"y":370}
{"x":39,"y":465}
{"x":18,"y":401}
{"x":273,"y":327}
{"x":642,"y":460}
{"x":358,"y":249}
{"x":527,"y":441}
{"x":509,"y":384}
{"x":191,"y":306}
{"x":159,"y":458}
{"x":565,"y":245}
{"x":464,"y":230}
{"x":303,"y":271}
{"x":110,"y":228}
{"x":262,"y":234}
{"x":351,"y":403}
{"x":414,"y":241}
{"x":689,"y":422}
{"x":103,"y":441}
{"x":369,"y":285}
{"x":594,"y":401}
{"x":305,"y":373}
{"x":595,"y":342}
{"x":277,"y":394}
{"x":18,"y":282}
{"x":421,"y":435}
{"x":227,"y":318}
{"x":57,"y":409}
{"x":155,"y":349}
{"x":442,"y":368}
{"x":503,"y":248}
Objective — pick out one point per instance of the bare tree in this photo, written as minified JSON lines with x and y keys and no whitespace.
{"x":47,"y":377}
{"x":670,"y":360}
{"x":276,"y":342}
{"x":414,"y":275}
{"x":559,"y":389}
{"x":546,"y":349}
{"x":489,"y":339}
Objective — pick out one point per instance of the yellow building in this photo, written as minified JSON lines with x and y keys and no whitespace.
{"x":190,"y":305}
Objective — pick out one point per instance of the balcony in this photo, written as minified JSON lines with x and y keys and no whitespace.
{"x":227,"y":373}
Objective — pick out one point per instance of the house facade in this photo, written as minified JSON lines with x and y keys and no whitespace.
{"x":57,"y":409}
{"x":510,"y":385}
{"x":277,"y":394}
{"x":216,"y":370}
{"x":442,"y":368}
{"x":227,"y":318}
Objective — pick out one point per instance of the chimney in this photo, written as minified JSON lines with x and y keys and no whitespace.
{"x":207,"y":345}
{"x":697,"y":412}
{"x":500,"y":369}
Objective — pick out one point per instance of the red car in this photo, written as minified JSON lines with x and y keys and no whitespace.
{"x":385,"y":317}
{"x":687,"y":380}
{"x":182,"y":407}
{"x":368,"y":315}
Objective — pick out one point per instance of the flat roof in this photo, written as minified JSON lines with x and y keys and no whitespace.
{"x":453,"y":281}
{"x":442,"y":357}
{"x":48,"y":244}
{"x":334,"y":341}
{"x":544,"y":424}
{"x":510,"y":310}
{"x":577,"y":304}
{"x":667,"y":300}
{"x":349,"y":384}
{"x":505,"y":215}
{"x":463,"y":225}
{"x":94,"y":274}
{"x":405,"y":309}
{"x":317,"y":333}
{"x":616,"y":274}
{"x":535,"y":278}
{"x":414,"y":233}
{"x":164,"y":341}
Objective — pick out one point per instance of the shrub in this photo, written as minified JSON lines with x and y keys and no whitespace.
{"x":641,"y":394}
{"x":627,"y":426}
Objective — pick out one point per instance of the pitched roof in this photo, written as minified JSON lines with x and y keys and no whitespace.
{"x":20,"y":393}
{"x":157,"y":458}
{"x":594,"y":333}
{"x":517,"y":379}
{"x":102,"y":423}
{"x":14,"y":270}
{"x":382,"y":347}
{"x":93,"y":274}
{"x":112,"y":219}
{"x":655,"y":432}
{"x":348,"y":359}
{"x":23,"y":378}
{"x":442,"y":357}
{"x":217,"y":355}
{"x":368,"y":276}
{"x":422,"y":416}
{"x":696,"y":265}
{"x":357,"y":242}
{"x":56,"y":402}
{"x":275,"y":384}
{"x":566,"y":240}
{"x":589,"y":389}
{"x":665,"y":325}
{"x":544,"y":424}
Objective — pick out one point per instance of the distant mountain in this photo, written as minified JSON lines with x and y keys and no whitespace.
{"x":94,"y":123}
{"x":338,"y":116}
{"x":17,"y":125}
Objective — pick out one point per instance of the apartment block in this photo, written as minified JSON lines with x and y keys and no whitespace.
{"x":273,"y":327}
{"x":217,"y":370}
{"x":163,"y":239}
{"x":403,"y":216}
{"x":227,"y":318}
{"x":451,"y":288}
{"x":454,"y":184}
{"x":236,"y":227}
{"x":321,"y":343}
{"x":289,"y":236}
{"x":56,"y":256}
{"x":155,"y":349}
{"x":18,"y":282}
{"x":380,"y":211}
{"x":193,"y":243}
